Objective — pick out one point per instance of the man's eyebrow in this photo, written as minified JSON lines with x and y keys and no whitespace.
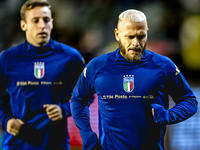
{"x":34,"y":18}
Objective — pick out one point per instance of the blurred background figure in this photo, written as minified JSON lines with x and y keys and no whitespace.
{"x":174,"y":31}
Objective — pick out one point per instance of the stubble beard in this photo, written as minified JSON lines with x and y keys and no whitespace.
{"x":127,"y":56}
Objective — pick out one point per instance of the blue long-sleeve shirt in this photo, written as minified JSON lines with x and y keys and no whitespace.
{"x":35,"y":76}
{"x":126,"y":94}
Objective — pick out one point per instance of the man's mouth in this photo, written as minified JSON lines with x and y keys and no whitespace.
{"x":42,"y":34}
{"x":135,"y":50}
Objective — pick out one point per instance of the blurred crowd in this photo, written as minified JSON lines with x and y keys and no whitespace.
{"x":88,"y":25}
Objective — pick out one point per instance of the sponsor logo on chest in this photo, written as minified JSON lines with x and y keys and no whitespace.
{"x":39,"y":70}
{"x":128,"y":83}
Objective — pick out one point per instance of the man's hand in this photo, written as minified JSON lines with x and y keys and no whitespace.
{"x":54,"y":112}
{"x":13,"y":126}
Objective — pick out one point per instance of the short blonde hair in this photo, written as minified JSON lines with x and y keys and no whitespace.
{"x":30,"y":4}
{"x":133,"y":15}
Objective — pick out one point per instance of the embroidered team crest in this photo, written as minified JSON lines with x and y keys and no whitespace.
{"x":128,"y":83}
{"x":39,"y":70}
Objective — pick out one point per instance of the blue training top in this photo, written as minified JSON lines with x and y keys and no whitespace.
{"x":126,"y":94}
{"x":35,"y":76}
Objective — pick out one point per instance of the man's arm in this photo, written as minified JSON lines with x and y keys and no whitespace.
{"x":62,"y":109}
{"x":5,"y":108}
{"x":178,"y":113}
{"x":81,"y":96}
{"x":9,"y":122}
{"x":181,"y":93}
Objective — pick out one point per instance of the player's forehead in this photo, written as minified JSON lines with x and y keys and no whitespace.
{"x":38,"y":12}
{"x":128,"y":26}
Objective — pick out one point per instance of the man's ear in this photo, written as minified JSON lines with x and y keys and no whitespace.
{"x":116,"y":34}
{"x":51,"y":24}
{"x":23,"y":25}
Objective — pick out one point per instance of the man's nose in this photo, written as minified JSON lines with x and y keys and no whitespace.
{"x":41,"y":24}
{"x":135,"y":42}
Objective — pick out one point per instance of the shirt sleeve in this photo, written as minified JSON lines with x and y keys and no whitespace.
{"x":80,"y":101}
{"x":77,"y":66}
{"x":181,"y":93}
{"x":5,"y":108}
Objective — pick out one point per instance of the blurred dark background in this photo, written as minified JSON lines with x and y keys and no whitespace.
{"x":88,"y":25}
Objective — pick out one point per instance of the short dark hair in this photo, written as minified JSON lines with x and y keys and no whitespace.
{"x":30,"y":4}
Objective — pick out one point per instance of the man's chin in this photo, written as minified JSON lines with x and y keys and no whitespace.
{"x":43,"y":42}
{"x":134,"y":58}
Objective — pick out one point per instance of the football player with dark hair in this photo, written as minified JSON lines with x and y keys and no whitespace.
{"x":39,"y":76}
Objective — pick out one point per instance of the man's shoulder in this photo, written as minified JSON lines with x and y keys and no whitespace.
{"x":106,"y":56}
{"x":15,"y":48}
{"x":158,"y":58}
{"x":162,"y":61}
{"x":12,"y":51}
{"x":65,"y":48}
{"x":102,"y":60}
{"x":68,"y":51}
